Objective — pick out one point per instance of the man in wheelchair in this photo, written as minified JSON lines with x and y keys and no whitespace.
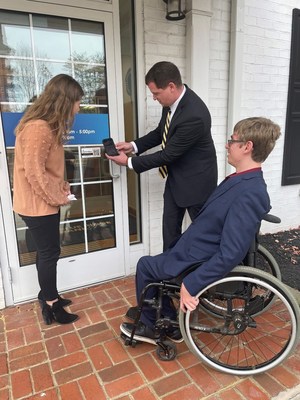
{"x":220,"y":236}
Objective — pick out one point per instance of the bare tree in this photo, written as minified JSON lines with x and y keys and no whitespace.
{"x":23,"y":79}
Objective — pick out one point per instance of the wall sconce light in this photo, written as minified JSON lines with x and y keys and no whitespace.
{"x":174,"y":10}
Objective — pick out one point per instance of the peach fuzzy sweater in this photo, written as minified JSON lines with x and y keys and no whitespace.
{"x":39,"y":186}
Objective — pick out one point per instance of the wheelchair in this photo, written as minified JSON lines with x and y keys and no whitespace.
{"x":258,"y":256}
{"x":245,"y":323}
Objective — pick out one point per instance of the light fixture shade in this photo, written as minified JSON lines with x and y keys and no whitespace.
{"x":174,"y":10}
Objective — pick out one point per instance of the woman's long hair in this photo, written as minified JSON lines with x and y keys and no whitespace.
{"x":55,"y":106}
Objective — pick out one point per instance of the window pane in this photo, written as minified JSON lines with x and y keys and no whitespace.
{"x":95,"y":169}
{"x":54,"y":32}
{"x":98,"y":199}
{"x":18,"y":80}
{"x":74,"y":210}
{"x":47,"y":70}
{"x":72,"y":238}
{"x":26,"y":247}
{"x":15,"y":35}
{"x":101,"y":234}
{"x":93,"y":81}
{"x":84,"y":32}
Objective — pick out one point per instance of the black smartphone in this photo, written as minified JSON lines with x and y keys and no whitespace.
{"x":109,"y":147}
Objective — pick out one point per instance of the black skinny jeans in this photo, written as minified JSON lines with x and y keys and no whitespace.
{"x":45,"y":235}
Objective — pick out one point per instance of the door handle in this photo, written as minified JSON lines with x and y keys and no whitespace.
{"x":112,"y":174}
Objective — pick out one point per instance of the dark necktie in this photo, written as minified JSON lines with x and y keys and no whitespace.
{"x":163,"y":170}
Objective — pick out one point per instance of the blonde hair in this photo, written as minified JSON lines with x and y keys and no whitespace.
{"x":262,"y":132}
{"x":55,"y":106}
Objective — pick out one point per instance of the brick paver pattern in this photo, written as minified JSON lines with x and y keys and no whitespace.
{"x":87,"y":360}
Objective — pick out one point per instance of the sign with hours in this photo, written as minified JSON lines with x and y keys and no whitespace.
{"x":88,"y":129}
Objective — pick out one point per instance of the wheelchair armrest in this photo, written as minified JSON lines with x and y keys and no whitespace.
{"x":178,"y":279}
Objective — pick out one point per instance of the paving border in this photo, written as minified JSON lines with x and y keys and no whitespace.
{"x":291,"y":394}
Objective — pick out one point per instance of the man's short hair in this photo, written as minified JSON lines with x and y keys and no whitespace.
{"x":262,"y":132}
{"x":163,"y":73}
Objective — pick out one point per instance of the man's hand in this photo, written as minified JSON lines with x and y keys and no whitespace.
{"x":125,"y":147}
{"x":187,"y":302}
{"x":121,"y":159}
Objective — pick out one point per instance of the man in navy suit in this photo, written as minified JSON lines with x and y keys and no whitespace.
{"x":221,"y":234}
{"x":188,"y":153}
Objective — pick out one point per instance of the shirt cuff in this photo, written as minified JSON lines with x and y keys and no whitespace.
{"x":135,"y":149}
{"x":129,"y":163}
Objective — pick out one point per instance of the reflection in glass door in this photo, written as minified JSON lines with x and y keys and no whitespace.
{"x":33,"y":49}
{"x":88,"y":222}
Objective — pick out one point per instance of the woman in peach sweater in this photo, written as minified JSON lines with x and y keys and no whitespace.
{"x":39,"y":186}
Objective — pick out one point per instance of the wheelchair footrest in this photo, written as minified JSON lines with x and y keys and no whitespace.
{"x":128,"y":341}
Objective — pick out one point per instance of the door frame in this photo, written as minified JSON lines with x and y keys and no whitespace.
{"x":70,"y":9}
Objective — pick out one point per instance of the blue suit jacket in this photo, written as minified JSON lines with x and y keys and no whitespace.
{"x":221,"y":234}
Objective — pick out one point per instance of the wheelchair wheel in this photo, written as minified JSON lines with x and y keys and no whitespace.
{"x":249,"y":338}
{"x":166,"y":351}
{"x":217,"y":307}
{"x":266,"y":262}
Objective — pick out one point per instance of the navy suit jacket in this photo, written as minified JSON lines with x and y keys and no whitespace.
{"x":221,"y":234}
{"x":189,"y":153}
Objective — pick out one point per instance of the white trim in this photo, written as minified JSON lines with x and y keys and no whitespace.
{"x":5,"y":271}
{"x":198,"y":20}
{"x":8,"y":255}
{"x":138,"y":250}
{"x":235,"y":68}
{"x":50,"y":5}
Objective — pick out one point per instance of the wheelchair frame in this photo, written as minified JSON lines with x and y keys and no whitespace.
{"x":244,"y":324}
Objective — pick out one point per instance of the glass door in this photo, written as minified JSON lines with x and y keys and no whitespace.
{"x":33,"y":48}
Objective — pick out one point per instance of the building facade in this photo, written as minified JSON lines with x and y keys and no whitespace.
{"x":236,"y":54}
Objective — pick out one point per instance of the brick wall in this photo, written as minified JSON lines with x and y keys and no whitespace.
{"x":265,"y":72}
{"x":164,"y":40}
{"x":265,"y":86}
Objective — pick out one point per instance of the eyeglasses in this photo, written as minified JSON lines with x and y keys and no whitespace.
{"x":230,"y":141}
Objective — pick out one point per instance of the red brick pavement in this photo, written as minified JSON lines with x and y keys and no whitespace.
{"x":88,"y":361}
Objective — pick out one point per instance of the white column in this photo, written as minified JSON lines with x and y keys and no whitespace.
{"x":198,"y":16}
{"x":235,"y":67}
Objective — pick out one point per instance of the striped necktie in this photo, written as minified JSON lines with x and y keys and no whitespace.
{"x":163,"y":170}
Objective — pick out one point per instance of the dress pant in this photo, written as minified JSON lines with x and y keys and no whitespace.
{"x":149,"y":271}
{"x":45,"y":235}
{"x":173,"y":217}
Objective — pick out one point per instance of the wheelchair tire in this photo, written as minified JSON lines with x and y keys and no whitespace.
{"x":244,"y":341}
{"x":266,"y":262}
{"x":166,"y":351}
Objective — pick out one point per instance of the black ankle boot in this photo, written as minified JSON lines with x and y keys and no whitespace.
{"x":46,"y":312}
{"x":57,"y":313}
{"x":64,"y":302}
{"x":60,"y":315}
